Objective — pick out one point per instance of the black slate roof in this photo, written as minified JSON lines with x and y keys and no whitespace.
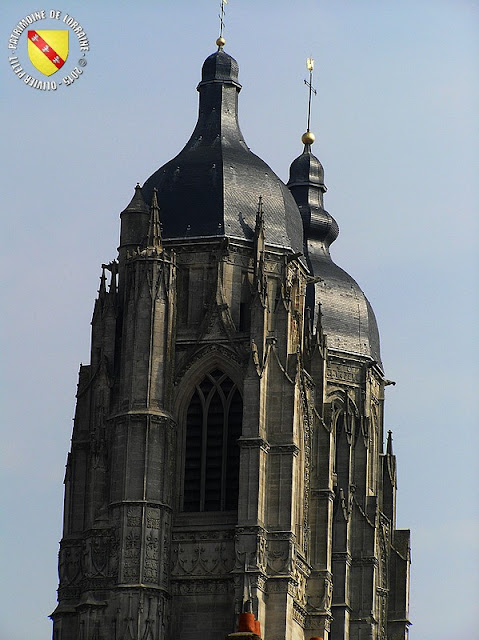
{"x":213,"y":185}
{"x":347,"y":317}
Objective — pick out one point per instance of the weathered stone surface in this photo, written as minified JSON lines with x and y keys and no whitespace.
{"x":226,"y":454}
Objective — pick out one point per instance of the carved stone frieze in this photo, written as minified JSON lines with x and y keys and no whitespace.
{"x":131,"y":545}
{"x":365,"y":561}
{"x":281,"y":556}
{"x":299,"y":614}
{"x":272,"y":266}
{"x":179,"y":536}
{"x":344,"y":373}
{"x":188,"y":587}
{"x":131,"y":554}
{"x":318,"y":621}
{"x":152,"y":556}
{"x":257,"y":581}
{"x":299,"y":588}
{"x":281,"y":535}
{"x":139,"y":616}
{"x":152,"y":518}
{"x":327,"y":596}
{"x":69,"y":593}
{"x":280,"y":585}
{"x":199,"y":557}
{"x":70,"y":564}
{"x":100,"y":555}
{"x":257,"y":530}
{"x":250,"y":549}
{"x":340,"y":556}
{"x":244,"y":252}
{"x":133,"y":517}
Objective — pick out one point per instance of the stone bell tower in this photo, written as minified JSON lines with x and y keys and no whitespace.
{"x":227,"y":452}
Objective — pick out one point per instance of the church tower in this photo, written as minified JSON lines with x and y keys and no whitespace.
{"x":227,"y":459}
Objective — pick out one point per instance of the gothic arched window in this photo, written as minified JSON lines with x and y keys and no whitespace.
{"x":213,"y":426}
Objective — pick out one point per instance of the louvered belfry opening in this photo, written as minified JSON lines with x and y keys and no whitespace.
{"x":213,"y":426}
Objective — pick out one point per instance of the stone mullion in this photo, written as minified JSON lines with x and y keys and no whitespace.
{"x":224,"y":450}
{"x":204,"y":439}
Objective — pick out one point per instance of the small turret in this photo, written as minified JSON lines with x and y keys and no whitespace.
{"x":306,"y":183}
{"x":154,"y":231}
{"x":347,"y":317}
{"x":389,"y":444}
{"x":102,"y":289}
{"x":134,"y":223}
{"x":389,"y":480}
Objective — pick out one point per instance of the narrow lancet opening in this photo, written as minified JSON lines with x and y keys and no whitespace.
{"x":213,"y":426}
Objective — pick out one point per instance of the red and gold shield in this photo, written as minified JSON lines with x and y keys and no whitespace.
{"x":48,"y":50}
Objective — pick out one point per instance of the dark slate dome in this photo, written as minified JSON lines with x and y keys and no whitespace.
{"x":347,"y":317}
{"x":213,"y":185}
{"x":220,"y":66}
{"x":306,"y":182}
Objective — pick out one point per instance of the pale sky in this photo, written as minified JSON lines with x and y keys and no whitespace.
{"x":396,"y":124}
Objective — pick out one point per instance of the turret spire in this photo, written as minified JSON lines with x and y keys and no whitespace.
{"x":259,"y":247}
{"x":389,"y":444}
{"x":134,"y":224}
{"x":154,"y":231}
{"x":102,"y":289}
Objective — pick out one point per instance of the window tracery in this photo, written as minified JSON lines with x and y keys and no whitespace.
{"x":213,"y":426}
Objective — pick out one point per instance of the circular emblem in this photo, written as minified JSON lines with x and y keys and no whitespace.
{"x":48,"y":50}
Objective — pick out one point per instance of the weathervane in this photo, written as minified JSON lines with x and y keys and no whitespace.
{"x":308,"y":137}
{"x":310,"y":67}
{"x":221,"y":41}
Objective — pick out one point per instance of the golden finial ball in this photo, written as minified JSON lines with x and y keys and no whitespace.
{"x":221,"y":41}
{"x":307,"y":138}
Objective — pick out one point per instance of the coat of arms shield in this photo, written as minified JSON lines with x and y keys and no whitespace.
{"x":48,"y":49}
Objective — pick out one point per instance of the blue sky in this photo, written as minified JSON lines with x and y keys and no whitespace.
{"x":396,"y":129}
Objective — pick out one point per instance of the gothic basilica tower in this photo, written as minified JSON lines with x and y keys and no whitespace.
{"x":229,"y":471}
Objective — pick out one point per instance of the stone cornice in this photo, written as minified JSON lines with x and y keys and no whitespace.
{"x":253,"y":443}
{"x":289,"y":447}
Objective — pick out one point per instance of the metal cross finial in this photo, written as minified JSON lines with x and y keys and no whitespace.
{"x":221,"y":16}
{"x":310,"y":67}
